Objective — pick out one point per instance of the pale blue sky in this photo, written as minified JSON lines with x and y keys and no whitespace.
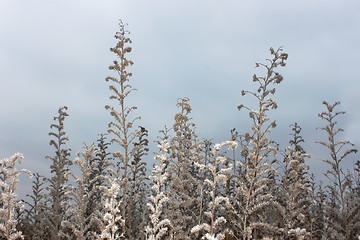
{"x":56,"y":53}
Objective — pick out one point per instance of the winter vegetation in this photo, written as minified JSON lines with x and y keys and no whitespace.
{"x":246,"y":187}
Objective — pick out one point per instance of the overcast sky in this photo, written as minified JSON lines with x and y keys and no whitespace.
{"x":56,"y":53}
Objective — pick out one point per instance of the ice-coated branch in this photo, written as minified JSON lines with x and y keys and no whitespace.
{"x":112,"y":222}
{"x":212,"y":229}
{"x":9,"y":178}
{"x":159,"y":224}
{"x":79,"y":223}
{"x":252,"y":195}
{"x":121,"y":127}
{"x":343,"y":221}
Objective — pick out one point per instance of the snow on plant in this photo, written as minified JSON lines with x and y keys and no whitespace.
{"x":252,"y":193}
{"x":213,"y":228}
{"x":294,"y":195}
{"x":295,"y":190}
{"x":79,"y":223}
{"x":122,"y":124}
{"x":354,"y":205}
{"x":298,"y":233}
{"x":34,"y":213}
{"x":159,"y":224}
{"x":344,"y":224}
{"x":138,"y":189}
{"x":207,"y":146}
{"x":111,"y":222}
{"x":60,"y":169}
{"x":9,"y":177}
{"x":185,"y":150}
{"x":196,"y":194}
{"x":99,"y":163}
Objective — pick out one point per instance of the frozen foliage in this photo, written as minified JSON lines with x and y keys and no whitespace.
{"x":185,"y":150}
{"x":122,"y":124}
{"x":213,"y":228}
{"x":294,"y":194}
{"x":298,"y":233}
{"x":252,"y":193}
{"x":198,"y":190}
{"x":34,"y":214}
{"x":60,"y":170}
{"x":159,"y":224}
{"x":79,"y":223}
{"x":341,"y":214}
{"x":111,"y":220}
{"x":136,"y":204}
{"x":9,"y":176}
{"x":355,"y":196}
{"x":100,"y":162}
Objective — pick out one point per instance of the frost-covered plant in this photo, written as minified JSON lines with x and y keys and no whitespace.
{"x":204,"y":173}
{"x":60,"y":170}
{"x":295,"y":192}
{"x":9,"y":178}
{"x":318,"y":225}
{"x":159,"y":224}
{"x":99,"y":164}
{"x":298,"y":233}
{"x":79,"y":222}
{"x":343,"y":224}
{"x":122,"y":124}
{"x":185,"y":150}
{"x":355,"y":196}
{"x":356,"y":177}
{"x":35,"y":212}
{"x":138,"y":189}
{"x":111,"y":222}
{"x":213,"y":228}
{"x":252,"y":195}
